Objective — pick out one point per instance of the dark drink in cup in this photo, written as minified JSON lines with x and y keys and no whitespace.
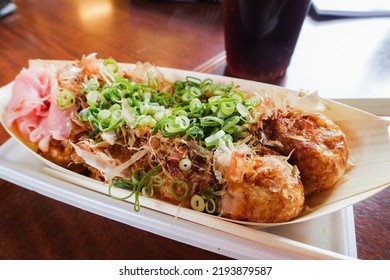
{"x":260,"y":36}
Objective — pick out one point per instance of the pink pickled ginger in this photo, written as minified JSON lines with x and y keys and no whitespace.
{"x":33,"y":107}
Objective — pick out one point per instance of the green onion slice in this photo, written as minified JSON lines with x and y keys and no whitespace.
{"x":228,"y":108}
{"x":121,"y":184}
{"x":65,"y":99}
{"x":197,"y":203}
{"x":210,"y":206}
{"x":195,"y":132}
{"x":230,"y":122}
{"x":111,"y":65}
{"x":211,"y":121}
{"x":185,"y":165}
{"x":213,"y":139}
{"x":148,"y":191}
{"x":242,"y":109}
{"x":136,"y":184}
{"x":179,"y":189}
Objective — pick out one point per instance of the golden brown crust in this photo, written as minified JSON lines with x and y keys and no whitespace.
{"x":261,"y":189}
{"x":317,"y":146}
{"x":61,"y":153}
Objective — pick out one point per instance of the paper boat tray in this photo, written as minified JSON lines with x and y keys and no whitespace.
{"x":367,"y":136}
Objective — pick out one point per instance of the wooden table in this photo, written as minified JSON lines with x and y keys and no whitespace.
{"x":340,"y":58}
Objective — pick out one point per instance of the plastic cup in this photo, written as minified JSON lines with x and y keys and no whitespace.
{"x":260,"y":36}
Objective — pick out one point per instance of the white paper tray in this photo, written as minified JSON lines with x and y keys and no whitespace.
{"x":328,"y":237}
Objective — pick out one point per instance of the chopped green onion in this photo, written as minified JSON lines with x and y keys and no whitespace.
{"x":238,"y":96}
{"x":178,"y":85}
{"x":178,"y":96}
{"x":218,"y":91}
{"x":156,"y":180}
{"x":147,"y":191}
{"x":141,"y":184}
{"x":160,"y":123}
{"x":230,"y":122}
{"x":113,"y":94}
{"x":183,"y":122}
{"x":197,"y":203}
{"x":179,"y":189}
{"x":121,"y":184}
{"x":193,"y":81}
{"x":176,"y":125}
{"x":113,"y":121}
{"x":209,"y":193}
{"x":185,"y":165}
{"x":85,"y":114}
{"x":195,"y":132}
{"x":95,"y":98}
{"x":227,"y":108}
{"x":193,"y":108}
{"x":104,"y":114}
{"x":211,"y":121}
{"x":162,"y":98}
{"x":195,"y":92}
{"x":135,"y":177}
{"x":213,"y":139}
{"x":187,"y":97}
{"x":228,"y":139}
{"x":159,"y":115}
{"x":143,"y":108}
{"x":152,"y":81}
{"x":210,"y":206}
{"x":109,"y":61}
{"x":145,"y":120}
{"x":242,"y":110}
{"x":196,"y":108}
{"x":91,"y":84}
{"x":65,"y":99}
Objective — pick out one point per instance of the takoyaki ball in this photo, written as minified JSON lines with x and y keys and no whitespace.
{"x":261,"y":189}
{"x":315,"y":144}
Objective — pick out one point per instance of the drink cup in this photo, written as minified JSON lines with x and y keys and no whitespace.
{"x":260,"y":36}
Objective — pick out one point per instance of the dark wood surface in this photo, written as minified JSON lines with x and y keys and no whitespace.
{"x":184,"y":36}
